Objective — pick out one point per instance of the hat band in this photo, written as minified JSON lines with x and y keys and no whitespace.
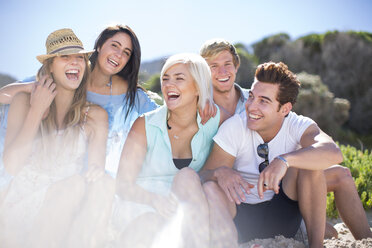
{"x":66,"y":47}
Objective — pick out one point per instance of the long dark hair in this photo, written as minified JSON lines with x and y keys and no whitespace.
{"x":131,"y":69}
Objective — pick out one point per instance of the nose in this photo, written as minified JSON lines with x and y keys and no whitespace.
{"x":221,"y":70}
{"x":250,"y":104}
{"x":119,"y":53}
{"x":74,"y":60}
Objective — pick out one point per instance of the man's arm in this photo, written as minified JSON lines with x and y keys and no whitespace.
{"x":318,"y":151}
{"x":219,"y":168}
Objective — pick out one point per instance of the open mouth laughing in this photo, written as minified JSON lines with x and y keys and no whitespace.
{"x":72,"y":74}
{"x":171,"y":95}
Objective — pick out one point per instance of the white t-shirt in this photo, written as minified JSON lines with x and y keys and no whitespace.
{"x":236,"y":139}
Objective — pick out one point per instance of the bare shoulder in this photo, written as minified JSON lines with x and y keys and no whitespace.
{"x":314,"y":134}
{"x":139,"y":125}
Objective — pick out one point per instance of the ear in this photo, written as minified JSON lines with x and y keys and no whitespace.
{"x":237,"y":68}
{"x":286,"y":108}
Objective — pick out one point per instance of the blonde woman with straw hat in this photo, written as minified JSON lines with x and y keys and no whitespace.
{"x":51,"y":133}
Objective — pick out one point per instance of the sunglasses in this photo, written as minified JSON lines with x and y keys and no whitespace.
{"x":263,"y":152}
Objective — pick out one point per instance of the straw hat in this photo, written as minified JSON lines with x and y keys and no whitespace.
{"x":62,"y":42}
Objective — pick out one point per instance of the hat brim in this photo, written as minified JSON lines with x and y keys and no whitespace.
{"x":71,"y":51}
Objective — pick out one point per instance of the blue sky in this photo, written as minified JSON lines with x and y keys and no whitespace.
{"x":165,"y":27}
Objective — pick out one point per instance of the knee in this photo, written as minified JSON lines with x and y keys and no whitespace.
{"x":186,"y":183}
{"x":341,"y":173}
{"x":337,"y":176}
{"x":211,"y":188}
{"x":187,"y":175}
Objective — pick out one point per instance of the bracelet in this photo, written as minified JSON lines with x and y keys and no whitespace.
{"x":284,"y":160}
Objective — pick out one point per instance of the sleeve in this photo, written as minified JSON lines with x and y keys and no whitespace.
{"x":229,"y":135}
{"x":297,"y":125}
{"x":145,"y":103}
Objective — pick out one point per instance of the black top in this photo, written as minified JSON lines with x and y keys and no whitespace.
{"x":181,"y":162}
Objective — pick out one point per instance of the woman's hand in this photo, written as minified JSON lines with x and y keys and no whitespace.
{"x":42,"y":94}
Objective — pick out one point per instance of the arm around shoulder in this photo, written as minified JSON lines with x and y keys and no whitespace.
{"x":8,"y":92}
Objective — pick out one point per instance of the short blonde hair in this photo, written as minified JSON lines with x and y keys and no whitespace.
{"x":199,"y":70}
{"x":213,"y":47}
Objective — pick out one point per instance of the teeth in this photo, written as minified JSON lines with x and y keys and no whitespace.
{"x":223,"y":79}
{"x":253,"y":116}
{"x":114,"y":62}
{"x":72,"y":71}
{"x":172,"y":94}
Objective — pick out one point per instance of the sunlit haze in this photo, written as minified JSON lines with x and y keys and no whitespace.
{"x":167,"y":27}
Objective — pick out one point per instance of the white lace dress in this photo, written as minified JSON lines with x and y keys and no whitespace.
{"x":27,"y":190}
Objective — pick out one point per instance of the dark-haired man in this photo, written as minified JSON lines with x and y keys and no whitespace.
{"x":256,"y":163}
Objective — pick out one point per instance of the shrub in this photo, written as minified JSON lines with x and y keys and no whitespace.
{"x":153,"y":84}
{"x":360,"y":164}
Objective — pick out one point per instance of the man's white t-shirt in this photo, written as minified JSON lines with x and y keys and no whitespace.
{"x":236,"y":139}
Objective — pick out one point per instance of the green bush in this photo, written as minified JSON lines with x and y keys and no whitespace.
{"x":360,"y":164}
{"x":153,"y":84}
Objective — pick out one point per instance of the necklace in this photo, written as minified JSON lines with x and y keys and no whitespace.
{"x":169,"y":128}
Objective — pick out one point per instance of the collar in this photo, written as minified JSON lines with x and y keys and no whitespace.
{"x":158,"y":118}
{"x":244,"y":93}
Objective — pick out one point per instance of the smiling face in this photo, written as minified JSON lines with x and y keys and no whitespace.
{"x":68,"y":70}
{"x":115,"y":53}
{"x":178,"y":87}
{"x":223,"y":71}
{"x":264,"y":113}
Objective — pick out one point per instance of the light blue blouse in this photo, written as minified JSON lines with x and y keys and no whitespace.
{"x":244,"y":94}
{"x":158,"y":169}
{"x":119,"y":124}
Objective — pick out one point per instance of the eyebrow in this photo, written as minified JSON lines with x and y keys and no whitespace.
{"x":177,"y":74}
{"x":115,"y":41}
{"x":264,"y":97}
{"x":226,"y":61}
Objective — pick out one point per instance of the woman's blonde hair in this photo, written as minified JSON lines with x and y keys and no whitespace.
{"x":199,"y":70}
